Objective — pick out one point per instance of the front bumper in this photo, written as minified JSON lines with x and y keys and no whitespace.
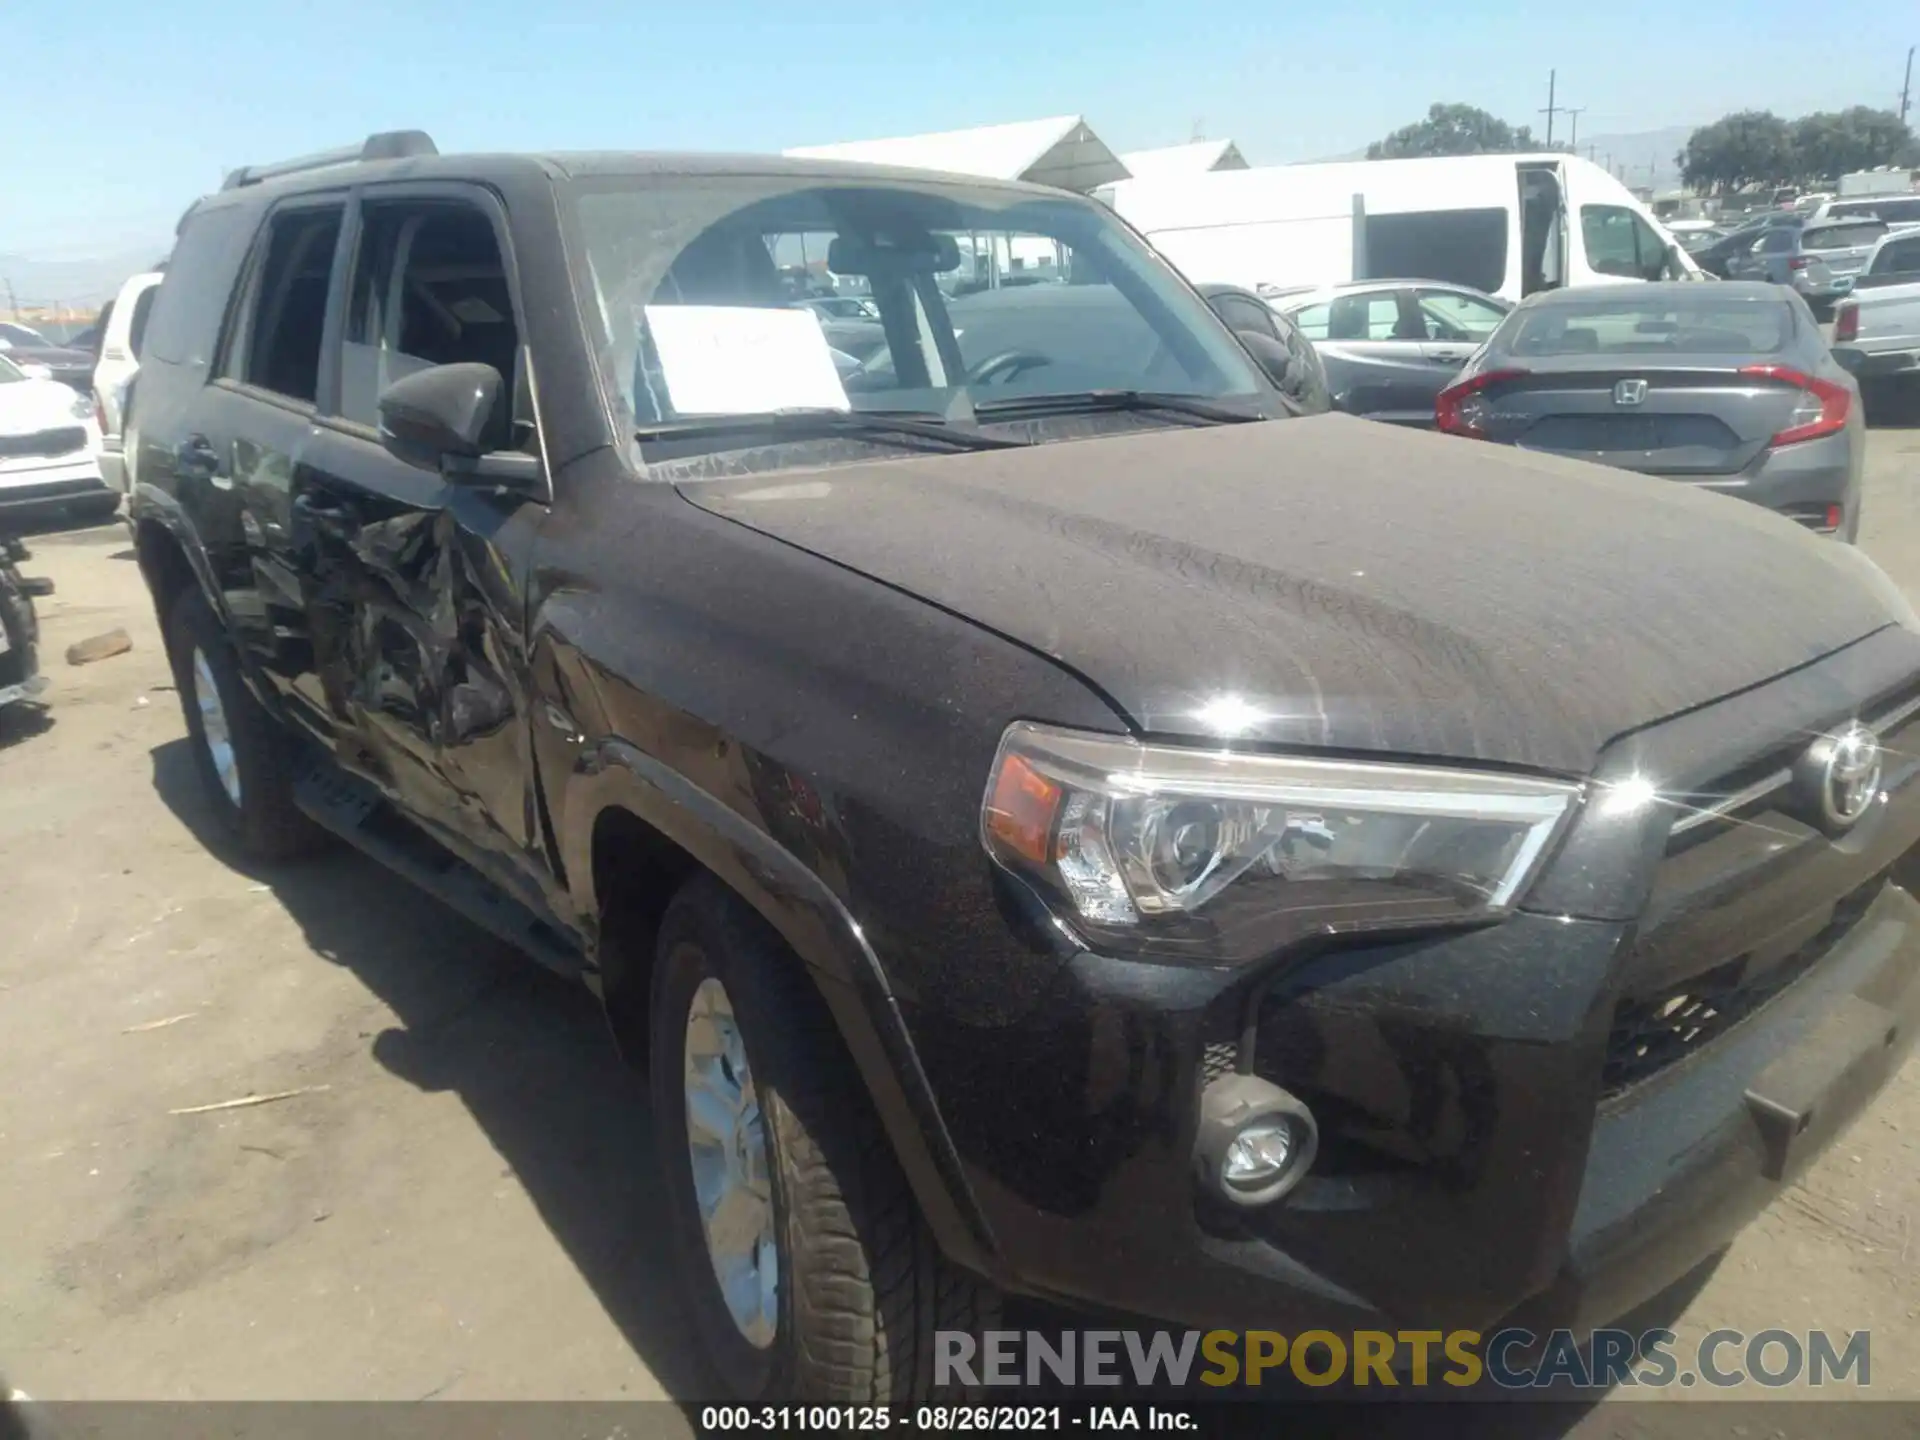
{"x":52,"y":485}
{"x":1493,"y":1144}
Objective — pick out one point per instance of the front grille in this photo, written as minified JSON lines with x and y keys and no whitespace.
{"x":48,"y":491}
{"x":1749,"y":792}
{"x":1652,"y":1032}
{"x":63,"y":441}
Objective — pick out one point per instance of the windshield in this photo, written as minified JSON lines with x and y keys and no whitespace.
{"x":10,"y":371}
{"x":20,"y":335}
{"x":1663,"y":326}
{"x":974,"y":296}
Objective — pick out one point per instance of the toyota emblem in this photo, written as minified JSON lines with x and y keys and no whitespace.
{"x":1629,"y":392}
{"x":1841,"y":776}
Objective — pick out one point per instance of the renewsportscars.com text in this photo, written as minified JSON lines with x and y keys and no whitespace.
{"x":1511,"y":1359}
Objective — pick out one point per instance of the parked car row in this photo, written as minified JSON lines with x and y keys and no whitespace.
{"x":1049,"y":819}
{"x":63,"y":408}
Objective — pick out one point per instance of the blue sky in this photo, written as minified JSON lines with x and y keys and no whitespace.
{"x":115,"y":132}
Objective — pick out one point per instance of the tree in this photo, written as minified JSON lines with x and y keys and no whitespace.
{"x":1756,"y":147}
{"x":1453,"y":130}
{"x":1827,"y":145}
{"x":1751,"y":147}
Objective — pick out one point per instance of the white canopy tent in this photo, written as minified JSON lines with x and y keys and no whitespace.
{"x":1195,"y":159}
{"x":1062,"y":152}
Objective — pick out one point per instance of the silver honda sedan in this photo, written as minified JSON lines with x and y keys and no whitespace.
{"x":1729,"y":387}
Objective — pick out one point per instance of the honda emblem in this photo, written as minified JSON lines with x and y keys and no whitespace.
{"x":1629,"y":392}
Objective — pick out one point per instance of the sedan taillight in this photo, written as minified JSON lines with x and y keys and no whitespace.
{"x":1821,"y":409}
{"x":1462,"y":409}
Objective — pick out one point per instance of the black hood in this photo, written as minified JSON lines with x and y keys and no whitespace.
{"x":1360,"y":587}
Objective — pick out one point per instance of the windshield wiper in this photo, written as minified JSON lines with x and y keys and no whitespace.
{"x":1082,"y":401}
{"x":809,"y":424}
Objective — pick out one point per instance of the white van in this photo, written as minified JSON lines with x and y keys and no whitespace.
{"x":1505,"y":224}
{"x":119,"y":362}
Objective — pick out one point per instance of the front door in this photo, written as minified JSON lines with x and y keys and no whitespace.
{"x":416,"y":600}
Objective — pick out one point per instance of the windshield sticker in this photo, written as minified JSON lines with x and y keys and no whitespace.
{"x":731,"y":360}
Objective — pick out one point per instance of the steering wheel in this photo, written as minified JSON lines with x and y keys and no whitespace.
{"x":1010,"y":361}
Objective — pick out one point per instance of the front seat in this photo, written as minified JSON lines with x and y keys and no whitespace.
{"x":719,"y":267}
{"x":723,"y":267}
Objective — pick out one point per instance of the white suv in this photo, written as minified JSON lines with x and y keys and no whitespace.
{"x":119,"y":362}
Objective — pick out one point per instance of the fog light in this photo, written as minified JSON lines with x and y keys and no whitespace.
{"x":1255,"y":1141}
{"x":1257,"y":1155}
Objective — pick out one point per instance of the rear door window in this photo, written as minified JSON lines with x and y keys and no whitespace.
{"x":142,"y":312}
{"x":1898,"y":257}
{"x":1241,"y":313}
{"x":1366,"y":317}
{"x":1463,"y":247}
{"x":275,"y":341}
{"x":1311,"y":320}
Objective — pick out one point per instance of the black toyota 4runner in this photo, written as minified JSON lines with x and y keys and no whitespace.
{"x":1052,"y":822}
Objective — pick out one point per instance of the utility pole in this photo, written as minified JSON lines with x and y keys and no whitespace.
{"x":1573,"y":133}
{"x":1590,"y":153}
{"x":1552,"y":109}
{"x":1906,"y":86}
{"x":13,"y":301}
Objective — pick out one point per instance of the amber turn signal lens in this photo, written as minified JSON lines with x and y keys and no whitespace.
{"x":1020,"y":815}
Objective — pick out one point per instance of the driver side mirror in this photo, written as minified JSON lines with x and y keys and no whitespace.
{"x":439,"y":419}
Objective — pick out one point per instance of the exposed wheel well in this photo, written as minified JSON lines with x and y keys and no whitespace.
{"x":164,"y":566}
{"x":636,"y":872}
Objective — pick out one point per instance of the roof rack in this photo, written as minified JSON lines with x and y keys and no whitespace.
{"x":385,"y":145}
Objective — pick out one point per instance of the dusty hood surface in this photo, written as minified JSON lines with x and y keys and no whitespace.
{"x":1333,"y":582}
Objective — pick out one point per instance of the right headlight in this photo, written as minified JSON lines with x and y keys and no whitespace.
{"x":1225,"y":856}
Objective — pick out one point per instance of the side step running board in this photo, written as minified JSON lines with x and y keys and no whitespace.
{"x":360,"y":815}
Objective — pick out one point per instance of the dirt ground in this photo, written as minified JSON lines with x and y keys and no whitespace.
{"x":458,"y":1203}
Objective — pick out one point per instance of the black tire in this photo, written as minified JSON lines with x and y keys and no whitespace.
{"x":264,"y":824}
{"x":863,"y":1286}
{"x":19,"y":661}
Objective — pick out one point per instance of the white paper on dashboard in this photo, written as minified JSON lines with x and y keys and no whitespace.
{"x":730,"y":360}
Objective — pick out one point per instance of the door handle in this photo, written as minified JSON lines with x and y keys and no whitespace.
{"x":194,"y":458}
{"x":1452,"y":357}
